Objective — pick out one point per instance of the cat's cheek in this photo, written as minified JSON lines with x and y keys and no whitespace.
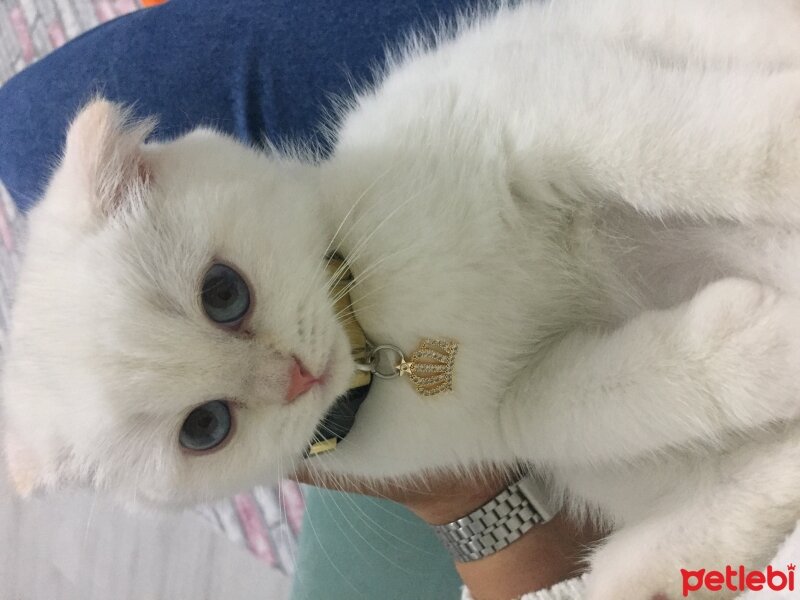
{"x":341,"y":368}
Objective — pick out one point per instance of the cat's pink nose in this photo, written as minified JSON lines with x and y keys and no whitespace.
{"x":300,"y":381}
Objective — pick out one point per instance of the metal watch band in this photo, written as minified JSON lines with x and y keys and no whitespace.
{"x":496,"y":524}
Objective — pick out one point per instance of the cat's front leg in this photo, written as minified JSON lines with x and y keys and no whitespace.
{"x":724,"y":361}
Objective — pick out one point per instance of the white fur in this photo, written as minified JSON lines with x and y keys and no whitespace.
{"x":599,"y":200}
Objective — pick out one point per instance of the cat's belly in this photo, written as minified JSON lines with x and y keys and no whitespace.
{"x":654,"y":264}
{"x":627,"y":494}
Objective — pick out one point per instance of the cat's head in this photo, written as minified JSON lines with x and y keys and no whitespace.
{"x":172,"y":304}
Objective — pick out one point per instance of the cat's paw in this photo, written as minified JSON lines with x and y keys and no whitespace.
{"x":745,"y":338}
{"x":723,"y":307}
{"x":622,"y":575}
{"x":626,"y":571}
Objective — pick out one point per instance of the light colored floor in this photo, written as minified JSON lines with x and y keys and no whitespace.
{"x":69,"y":547}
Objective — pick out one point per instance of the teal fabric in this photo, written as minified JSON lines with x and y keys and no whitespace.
{"x":359,"y":548}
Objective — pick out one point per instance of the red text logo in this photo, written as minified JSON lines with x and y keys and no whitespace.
{"x":738,"y":580}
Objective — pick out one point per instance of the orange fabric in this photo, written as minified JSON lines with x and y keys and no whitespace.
{"x":148,"y":3}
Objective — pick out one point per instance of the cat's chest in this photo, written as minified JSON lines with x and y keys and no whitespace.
{"x":434,"y":286}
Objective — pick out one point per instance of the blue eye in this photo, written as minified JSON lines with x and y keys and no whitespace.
{"x":225,"y":295}
{"x":207,"y":426}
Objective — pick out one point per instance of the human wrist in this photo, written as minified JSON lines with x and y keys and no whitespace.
{"x":506,"y":560}
{"x":545,"y":555}
{"x":498,"y":522}
{"x":447,"y":507}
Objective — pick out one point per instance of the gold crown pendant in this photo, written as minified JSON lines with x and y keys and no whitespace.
{"x":430,"y":367}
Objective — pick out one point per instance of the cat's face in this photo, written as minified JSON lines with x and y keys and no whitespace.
{"x":161,"y":279}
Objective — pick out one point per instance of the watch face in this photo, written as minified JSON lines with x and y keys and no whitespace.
{"x":338,"y":421}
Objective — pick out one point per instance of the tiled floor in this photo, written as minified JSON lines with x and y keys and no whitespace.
{"x":75,"y":547}
{"x":32,"y":28}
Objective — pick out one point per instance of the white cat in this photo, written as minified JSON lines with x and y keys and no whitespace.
{"x":600,"y":201}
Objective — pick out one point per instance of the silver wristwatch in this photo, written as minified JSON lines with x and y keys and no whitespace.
{"x":498,"y":523}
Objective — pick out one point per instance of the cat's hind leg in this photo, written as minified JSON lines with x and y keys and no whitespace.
{"x":688,"y":107}
{"x":740,"y":517}
{"x":689,"y":141}
{"x":740,"y":32}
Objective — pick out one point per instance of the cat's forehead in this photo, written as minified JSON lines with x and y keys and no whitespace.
{"x":209,"y":198}
{"x":210,"y":189}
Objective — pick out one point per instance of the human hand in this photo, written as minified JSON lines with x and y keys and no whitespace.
{"x":544,"y":556}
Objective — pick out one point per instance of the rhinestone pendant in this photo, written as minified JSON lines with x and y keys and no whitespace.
{"x":430,"y":367}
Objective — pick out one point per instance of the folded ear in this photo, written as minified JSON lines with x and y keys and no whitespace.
{"x":23,"y":467}
{"x":104,"y":157}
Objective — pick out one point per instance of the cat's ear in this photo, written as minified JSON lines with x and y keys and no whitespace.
{"x":104,"y":157}
{"x":23,"y":467}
